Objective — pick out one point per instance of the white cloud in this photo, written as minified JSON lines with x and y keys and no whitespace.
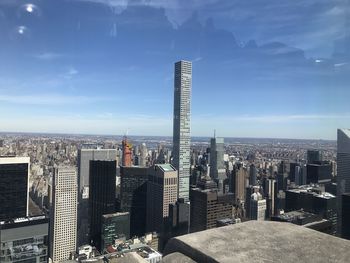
{"x":177,"y":11}
{"x":72,"y":71}
{"x":50,"y":99}
{"x":47,"y":56}
{"x":197,"y":59}
{"x":113,"y":32}
{"x":341,"y":64}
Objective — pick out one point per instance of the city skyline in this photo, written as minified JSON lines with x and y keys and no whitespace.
{"x":106,"y":67}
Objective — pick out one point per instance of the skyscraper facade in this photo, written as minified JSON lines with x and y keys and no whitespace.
{"x":114,"y":225}
{"x":257,"y":207}
{"x":181,"y":126}
{"x":346,"y":216}
{"x":319,"y":173}
{"x":102,"y":195}
{"x":161,"y":192}
{"x":208,"y":205}
{"x":270,"y":195}
{"x":143,"y":155}
{"x":343,"y":170}
{"x":133,"y":195}
{"x":217,"y":165}
{"x":252,"y":175}
{"x":14,"y":176}
{"x":313,"y":156}
{"x":179,"y":218}
{"x":84,"y":158}
{"x":63,"y":226}
{"x":239,"y":181}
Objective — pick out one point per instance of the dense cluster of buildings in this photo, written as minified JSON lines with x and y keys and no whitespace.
{"x":102,"y":201}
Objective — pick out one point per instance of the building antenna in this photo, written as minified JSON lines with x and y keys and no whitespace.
{"x":214,"y":133}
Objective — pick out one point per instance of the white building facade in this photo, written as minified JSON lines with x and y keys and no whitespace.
{"x":63,"y":225}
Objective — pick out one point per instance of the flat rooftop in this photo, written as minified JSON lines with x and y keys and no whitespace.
{"x":166,"y":167}
{"x":14,"y":160}
{"x":258,"y":241}
{"x":115,"y":214}
{"x":23,"y":219}
{"x":312,"y":191}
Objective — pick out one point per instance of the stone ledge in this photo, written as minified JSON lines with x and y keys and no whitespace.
{"x":260,"y":241}
{"x":177,"y":257}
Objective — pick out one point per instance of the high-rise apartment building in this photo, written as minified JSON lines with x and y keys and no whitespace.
{"x":271,"y":196}
{"x":63,"y":215}
{"x":257,"y":207}
{"x":133,"y":196}
{"x":300,"y":175}
{"x":102,"y":195}
{"x":252,"y":174}
{"x":343,"y":170}
{"x":249,"y":191}
{"x":217,"y":166}
{"x":208,"y":205}
{"x":84,"y":158}
{"x":143,"y":155}
{"x":161,"y":192}
{"x":292,"y":171}
{"x":14,"y":194}
{"x":238,"y":182}
{"x":181,"y":126}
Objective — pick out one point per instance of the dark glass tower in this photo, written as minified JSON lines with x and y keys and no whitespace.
{"x":346,"y":216}
{"x":86,"y":155}
{"x":13,"y":187}
{"x":313,"y":156}
{"x":133,"y":195}
{"x":102,"y":193}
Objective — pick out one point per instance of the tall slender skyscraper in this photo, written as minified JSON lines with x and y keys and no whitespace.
{"x":343,"y":170}
{"x":181,"y":127}
{"x":63,"y":216}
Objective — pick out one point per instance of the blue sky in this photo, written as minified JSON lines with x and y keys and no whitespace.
{"x":260,"y":68}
